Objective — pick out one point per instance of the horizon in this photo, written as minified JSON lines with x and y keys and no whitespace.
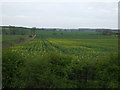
{"x":58,"y":27}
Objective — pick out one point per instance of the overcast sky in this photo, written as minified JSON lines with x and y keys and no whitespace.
{"x":61,"y":14}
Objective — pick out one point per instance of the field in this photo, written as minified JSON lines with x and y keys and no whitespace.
{"x":63,"y":59}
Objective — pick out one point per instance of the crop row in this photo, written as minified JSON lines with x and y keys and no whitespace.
{"x":79,"y":49}
{"x":36,"y":45}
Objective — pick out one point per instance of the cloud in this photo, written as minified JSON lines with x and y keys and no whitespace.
{"x":61,"y":14}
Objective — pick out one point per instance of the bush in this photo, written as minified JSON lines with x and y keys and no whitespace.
{"x":102,"y":72}
{"x":55,"y":70}
{"x":12,"y":64}
{"x":35,"y":71}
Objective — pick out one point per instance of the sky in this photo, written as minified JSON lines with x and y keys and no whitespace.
{"x":64,"y":14}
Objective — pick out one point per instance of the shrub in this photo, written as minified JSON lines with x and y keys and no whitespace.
{"x":46,"y":70}
{"x":56,"y":70}
{"x":102,"y":72}
{"x":11,"y":68}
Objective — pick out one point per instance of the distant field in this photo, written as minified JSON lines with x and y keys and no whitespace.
{"x":63,"y":59}
{"x":73,"y":34}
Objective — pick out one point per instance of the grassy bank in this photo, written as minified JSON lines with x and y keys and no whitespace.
{"x":12,"y":40}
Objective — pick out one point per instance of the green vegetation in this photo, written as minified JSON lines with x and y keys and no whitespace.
{"x":63,"y":59}
{"x":12,"y":30}
{"x":14,"y":35}
{"x":12,"y":40}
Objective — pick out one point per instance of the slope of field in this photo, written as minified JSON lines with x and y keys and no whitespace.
{"x":12,"y":40}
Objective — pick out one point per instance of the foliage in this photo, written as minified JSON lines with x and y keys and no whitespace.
{"x":54,"y":70}
{"x":11,"y":66}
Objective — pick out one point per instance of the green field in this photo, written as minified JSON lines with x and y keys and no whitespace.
{"x":81,"y":44}
{"x":63,"y":59}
